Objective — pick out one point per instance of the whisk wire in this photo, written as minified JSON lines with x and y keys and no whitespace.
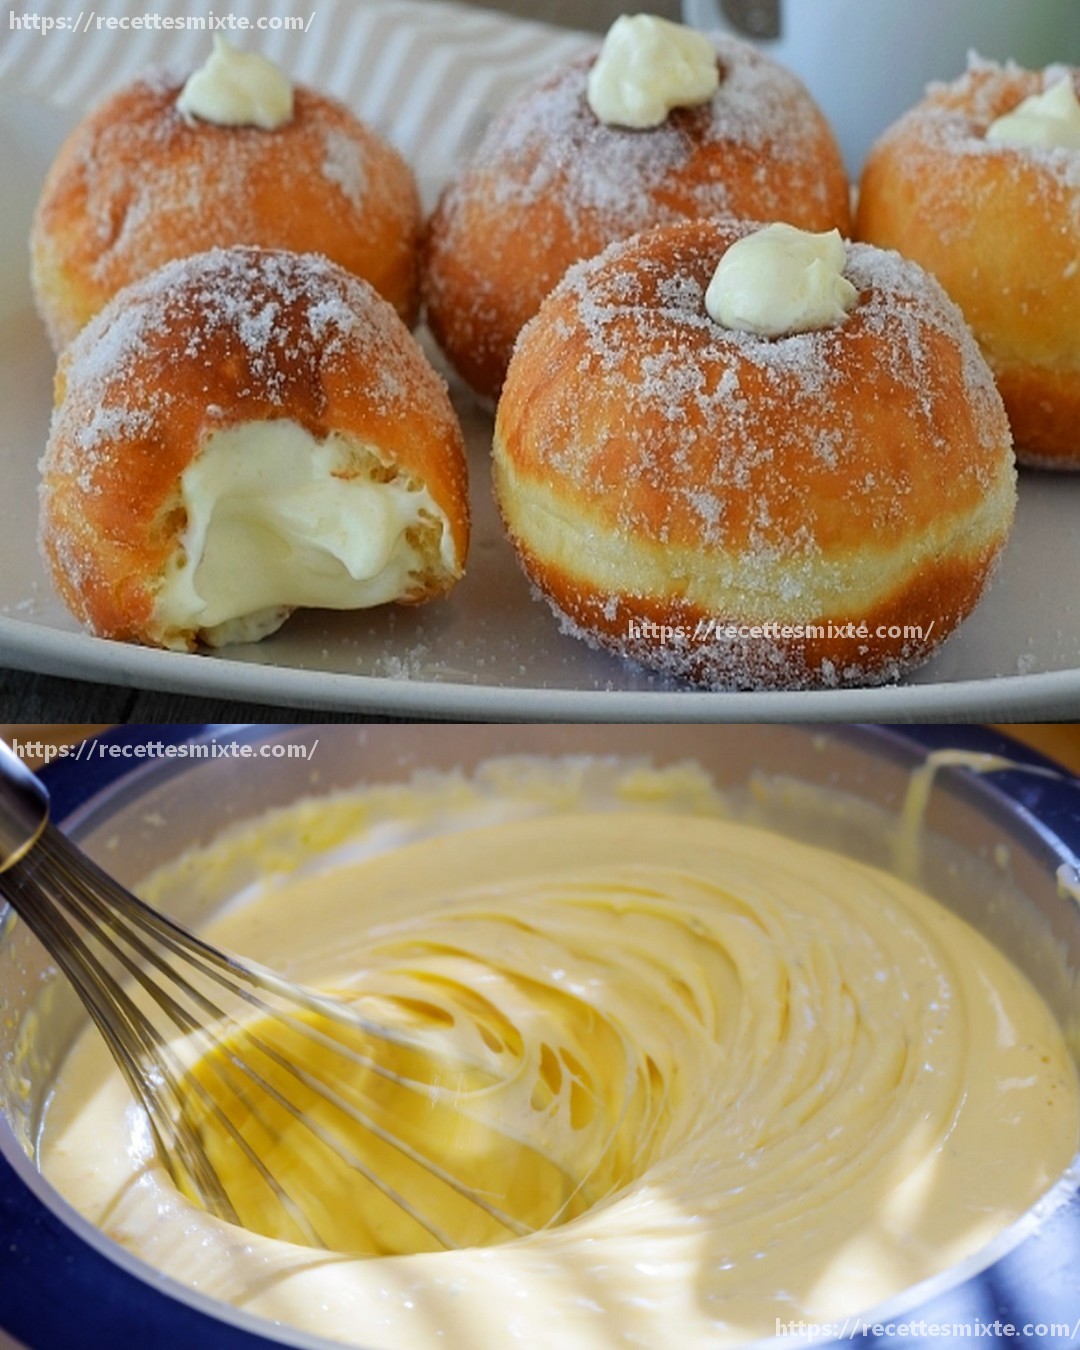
{"x":157,"y":1075}
{"x":107,"y":1005}
{"x":94,"y":928}
{"x":69,"y":872}
{"x":367,"y":1123}
{"x":243,"y":981}
{"x":81,"y":898}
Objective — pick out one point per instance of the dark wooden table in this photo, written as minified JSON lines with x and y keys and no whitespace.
{"x":45,"y":698}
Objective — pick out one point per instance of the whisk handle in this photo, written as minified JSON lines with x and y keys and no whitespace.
{"x":24,"y":808}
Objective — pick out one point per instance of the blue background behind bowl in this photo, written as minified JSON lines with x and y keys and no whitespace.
{"x":58,"y":1293}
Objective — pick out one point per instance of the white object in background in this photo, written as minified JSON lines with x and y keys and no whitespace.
{"x":867,"y":61}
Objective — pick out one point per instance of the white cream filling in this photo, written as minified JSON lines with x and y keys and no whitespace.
{"x":1049,"y":120}
{"x":237,"y":89}
{"x":781,"y":280}
{"x":646,"y":67}
{"x":275,"y":523}
{"x":824,"y":1086}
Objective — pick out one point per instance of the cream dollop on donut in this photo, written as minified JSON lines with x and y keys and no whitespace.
{"x":242,"y":433}
{"x":237,"y":89}
{"x":779,"y":280}
{"x":646,"y":67}
{"x":1050,"y":120}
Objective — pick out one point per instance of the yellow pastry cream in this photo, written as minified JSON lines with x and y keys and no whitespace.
{"x":728,"y":1078}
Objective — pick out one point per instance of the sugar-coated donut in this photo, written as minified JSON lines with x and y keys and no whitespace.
{"x":242,"y":433}
{"x":551,"y":184}
{"x":666,"y":480}
{"x":999,"y":225}
{"x":138,"y":184}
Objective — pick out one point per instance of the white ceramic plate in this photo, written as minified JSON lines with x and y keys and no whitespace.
{"x":491,"y":651}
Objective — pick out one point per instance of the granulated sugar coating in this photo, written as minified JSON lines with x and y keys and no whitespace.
{"x":551,"y":184}
{"x":139,"y":184}
{"x":999,"y":225}
{"x":279,"y":319}
{"x":221,"y":340}
{"x":656,"y":470}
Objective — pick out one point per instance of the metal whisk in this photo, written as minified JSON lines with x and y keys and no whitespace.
{"x":274,"y":1107}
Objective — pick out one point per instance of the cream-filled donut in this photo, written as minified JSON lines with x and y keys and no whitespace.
{"x":744,"y":503}
{"x":240,"y":434}
{"x":149,"y":176}
{"x":981,"y":184}
{"x":553,"y":182}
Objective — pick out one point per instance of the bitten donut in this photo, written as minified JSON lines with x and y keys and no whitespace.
{"x":552,"y":182}
{"x":754,"y":506}
{"x":149,"y":177}
{"x":981,"y":184}
{"x":242,"y":433}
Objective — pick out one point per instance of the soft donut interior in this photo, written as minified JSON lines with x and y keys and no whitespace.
{"x":276,"y":519}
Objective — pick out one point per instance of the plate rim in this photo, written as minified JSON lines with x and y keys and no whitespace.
{"x":44,"y":650}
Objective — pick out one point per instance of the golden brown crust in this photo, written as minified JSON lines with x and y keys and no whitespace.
{"x":652,"y":466}
{"x":550,"y":185}
{"x":218,"y":340}
{"x":999,"y":226}
{"x":137,"y":185}
{"x":686,"y":641}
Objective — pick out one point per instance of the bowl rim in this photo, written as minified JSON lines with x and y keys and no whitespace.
{"x":46,"y":1233}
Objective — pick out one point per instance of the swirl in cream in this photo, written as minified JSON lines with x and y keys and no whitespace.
{"x":763,"y":1082}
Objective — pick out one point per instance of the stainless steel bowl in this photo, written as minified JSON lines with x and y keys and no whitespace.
{"x":1001,"y":849}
